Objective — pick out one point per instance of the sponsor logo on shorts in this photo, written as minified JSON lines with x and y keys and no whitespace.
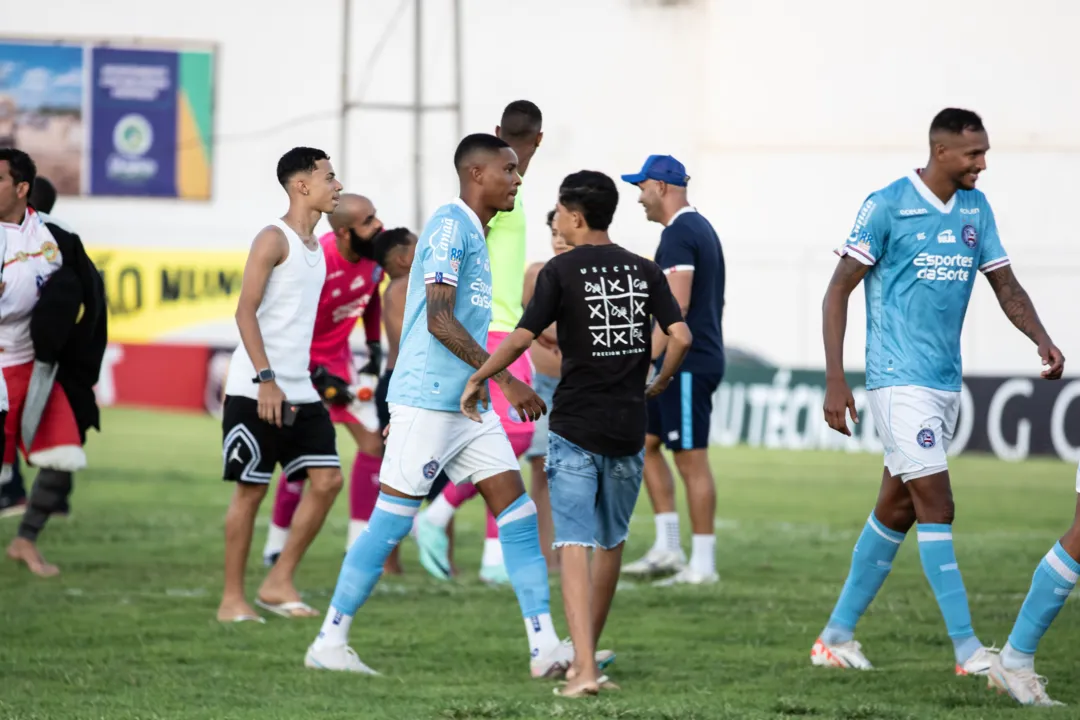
{"x":925,"y":438}
{"x":431,"y":469}
{"x":969,"y":236}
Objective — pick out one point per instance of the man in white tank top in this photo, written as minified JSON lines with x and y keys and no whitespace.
{"x":272,"y":413}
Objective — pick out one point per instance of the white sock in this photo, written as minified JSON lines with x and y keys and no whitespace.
{"x":493,"y":554}
{"x":542,"y":637}
{"x":355,"y":528}
{"x":1013,"y":659}
{"x":275,"y":540}
{"x":440,"y":512}
{"x":335,"y":630}
{"x":703,"y":555}
{"x":667,"y":532}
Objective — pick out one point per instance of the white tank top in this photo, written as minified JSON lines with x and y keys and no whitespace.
{"x":286,"y":318}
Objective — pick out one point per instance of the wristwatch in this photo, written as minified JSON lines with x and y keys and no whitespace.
{"x":264,"y":376}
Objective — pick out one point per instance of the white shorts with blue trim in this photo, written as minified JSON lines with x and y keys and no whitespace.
{"x":423,"y":442}
{"x":916,"y":425}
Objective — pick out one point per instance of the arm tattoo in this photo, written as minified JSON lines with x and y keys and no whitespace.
{"x":446,"y":329}
{"x":1016,"y":303}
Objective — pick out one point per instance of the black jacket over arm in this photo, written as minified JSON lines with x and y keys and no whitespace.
{"x":60,"y":335}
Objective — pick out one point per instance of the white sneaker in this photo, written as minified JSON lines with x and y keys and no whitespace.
{"x":1023,"y":686}
{"x":554,"y":664}
{"x":979,"y":663}
{"x":688,"y":576}
{"x":842,"y":655}
{"x":657,"y":562}
{"x":342,"y":658}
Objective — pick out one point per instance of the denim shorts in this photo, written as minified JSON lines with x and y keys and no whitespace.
{"x":592,"y":496}
{"x":544,"y":385}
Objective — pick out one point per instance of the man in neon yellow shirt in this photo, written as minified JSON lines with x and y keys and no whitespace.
{"x":521,"y":126}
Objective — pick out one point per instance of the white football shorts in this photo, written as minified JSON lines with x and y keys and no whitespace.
{"x":422,"y":443}
{"x":916,"y":425}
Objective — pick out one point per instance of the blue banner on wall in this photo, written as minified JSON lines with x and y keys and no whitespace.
{"x":133,"y":122}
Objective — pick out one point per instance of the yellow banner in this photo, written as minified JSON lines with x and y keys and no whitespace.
{"x":155,"y":293}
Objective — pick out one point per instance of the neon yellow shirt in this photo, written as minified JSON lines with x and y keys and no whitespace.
{"x":506,"y":252}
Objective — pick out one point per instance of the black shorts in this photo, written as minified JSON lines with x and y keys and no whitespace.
{"x":383,"y":409}
{"x":681,"y":415}
{"x":252,"y":447}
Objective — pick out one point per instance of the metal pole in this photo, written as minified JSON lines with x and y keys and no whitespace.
{"x":418,"y":116}
{"x":343,"y":113}
{"x":458,"y":74}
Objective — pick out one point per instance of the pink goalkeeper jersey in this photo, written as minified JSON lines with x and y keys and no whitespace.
{"x":351,"y":291}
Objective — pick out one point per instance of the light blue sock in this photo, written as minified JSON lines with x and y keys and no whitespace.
{"x":520,"y":538}
{"x":390,"y":522}
{"x":871,"y":562}
{"x":939,"y":565}
{"x":1054,"y":579}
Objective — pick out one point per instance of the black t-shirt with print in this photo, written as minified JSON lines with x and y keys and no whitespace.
{"x":603,"y":298}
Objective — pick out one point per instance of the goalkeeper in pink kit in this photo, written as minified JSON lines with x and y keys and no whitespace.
{"x":351,"y":292}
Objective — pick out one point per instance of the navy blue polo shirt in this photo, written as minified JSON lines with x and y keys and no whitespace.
{"x":690,"y":243}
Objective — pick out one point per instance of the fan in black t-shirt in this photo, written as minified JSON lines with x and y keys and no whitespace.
{"x":603,"y":299}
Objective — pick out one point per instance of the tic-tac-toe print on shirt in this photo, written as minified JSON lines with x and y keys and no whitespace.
{"x":616,"y":299}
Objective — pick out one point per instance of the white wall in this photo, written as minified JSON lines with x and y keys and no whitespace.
{"x":787,"y":114}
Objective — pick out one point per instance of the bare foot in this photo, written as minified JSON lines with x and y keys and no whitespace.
{"x":26,"y":552}
{"x":286,"y":594}
{"x":235,"y":611}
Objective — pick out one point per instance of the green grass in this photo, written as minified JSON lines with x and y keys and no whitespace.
{"x":128,"y":630}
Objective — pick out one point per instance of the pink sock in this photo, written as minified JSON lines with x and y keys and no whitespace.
{"x":286,"y":501}
{"x":364,"y":486}
{"x":492,"y":527}
{"x":456,"y":495}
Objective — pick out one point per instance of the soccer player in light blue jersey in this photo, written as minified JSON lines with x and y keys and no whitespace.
{"x":447,"y":313}
{"x":919,"y":243}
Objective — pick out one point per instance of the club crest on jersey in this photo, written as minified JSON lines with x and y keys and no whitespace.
{"x":925,"y":438}
{"x":431,"y":470}
{"x":969,"y":236}
{"x":49,"y":250}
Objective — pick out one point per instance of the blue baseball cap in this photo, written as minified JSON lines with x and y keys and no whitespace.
{"x":663,"y":168}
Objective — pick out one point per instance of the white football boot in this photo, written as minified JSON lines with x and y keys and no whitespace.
{"x":847,"y":655}
{"x":341,"y":658}
{"x":1023,"y":686}
{"x":656,"y":562}
{"x":979,"y":663}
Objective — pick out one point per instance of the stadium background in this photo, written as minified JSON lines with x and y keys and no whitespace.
{"x":787,"y":114}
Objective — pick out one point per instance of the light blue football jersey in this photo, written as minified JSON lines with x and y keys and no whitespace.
{"x":451,"y":251}
{"x":924,"y":256}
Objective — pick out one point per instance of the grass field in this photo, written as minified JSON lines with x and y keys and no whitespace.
{"x":128,"y":630}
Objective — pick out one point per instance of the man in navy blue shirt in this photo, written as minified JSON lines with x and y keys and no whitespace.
{"x":693,"y":261}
